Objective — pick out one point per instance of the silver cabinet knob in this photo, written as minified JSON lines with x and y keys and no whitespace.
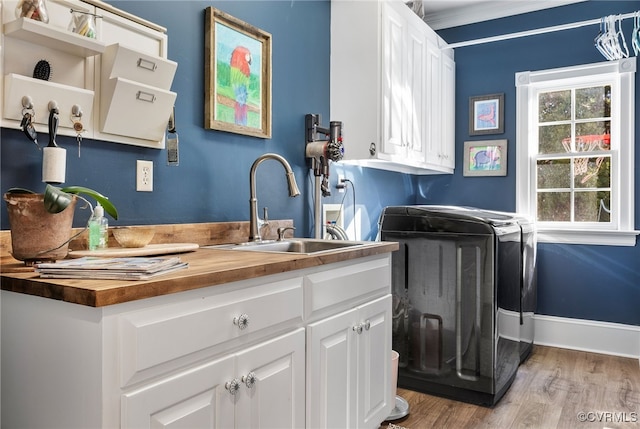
{"x":358,"y":329}
{"x":241,"y":321}
{"x":367,"y":325}
{"x":250,"y":379}
{"x":232,"y":386}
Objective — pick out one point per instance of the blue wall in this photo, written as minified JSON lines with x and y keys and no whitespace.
{"x":212,"y":181}
{"x":586,"y":282}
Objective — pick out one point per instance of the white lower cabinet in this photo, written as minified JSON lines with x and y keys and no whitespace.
{"x":305,"y":348}
{"x":348,"y":368}
{"x":261,"y":387}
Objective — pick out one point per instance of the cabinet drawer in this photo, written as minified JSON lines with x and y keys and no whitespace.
{"x":158,"y":335}
{"x":120,"y":61}
{"x":334,"y":290}
{"x":133,"y":109}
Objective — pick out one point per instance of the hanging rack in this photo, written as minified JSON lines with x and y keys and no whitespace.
{"x":534,"y":32}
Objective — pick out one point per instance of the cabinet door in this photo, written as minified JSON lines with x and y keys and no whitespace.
{"x":374,"y":363}
{"x":415,"y":94}
{"x":273,"y":383}
{"x":448,"y":79}
{"x":193,"y":398}
{"x":434,"y":105}
{"x":393,"y":83}
{"x":331,"y":372}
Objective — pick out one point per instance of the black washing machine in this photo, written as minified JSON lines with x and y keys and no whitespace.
{"x":457,"y":299}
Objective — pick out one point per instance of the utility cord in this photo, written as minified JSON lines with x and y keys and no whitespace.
{"x":342,"y":185}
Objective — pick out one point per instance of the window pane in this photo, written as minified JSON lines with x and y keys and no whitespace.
{"x":592,"y":206}
{"x":593,"y":136}
{"x":592,"y":172}
{"x":593,"y":102}
{"x":554,"y":106}
{"x":554,"y":173}
{"x":554,"y":206}
{"x":554,"y":138}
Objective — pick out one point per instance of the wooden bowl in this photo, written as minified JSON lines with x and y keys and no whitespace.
{"x":130,"y":236}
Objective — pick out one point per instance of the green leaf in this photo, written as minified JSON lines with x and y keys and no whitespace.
{"x":19,"y":191}
{"x":55,"y":200}
{"x":104,"y":201}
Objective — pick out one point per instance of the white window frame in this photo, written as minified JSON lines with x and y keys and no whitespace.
{"x":621,"y":74}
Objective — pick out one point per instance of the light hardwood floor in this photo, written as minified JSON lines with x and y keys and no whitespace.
{"x":554,"y":388}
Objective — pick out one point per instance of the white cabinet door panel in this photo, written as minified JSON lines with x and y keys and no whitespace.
{"x":373,"y":366}
{"x":194,"y":398}
{"x":276,"y":399}
{"x":393,"y":85}
{"x":331,"y":372}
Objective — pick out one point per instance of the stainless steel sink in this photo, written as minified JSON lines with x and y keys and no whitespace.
{"x":296,"y":245}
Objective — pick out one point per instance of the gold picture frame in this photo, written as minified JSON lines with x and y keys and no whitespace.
{"x":237,"y":74}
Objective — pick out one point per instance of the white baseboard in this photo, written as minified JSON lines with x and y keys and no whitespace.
{"x":588,"y":335}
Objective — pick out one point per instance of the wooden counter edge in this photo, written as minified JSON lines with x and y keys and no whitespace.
{"x":207,"y":267}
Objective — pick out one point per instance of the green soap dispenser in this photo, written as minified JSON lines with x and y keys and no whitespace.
{"x":98,"y":229}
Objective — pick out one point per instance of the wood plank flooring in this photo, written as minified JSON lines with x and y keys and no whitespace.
{"x":554,"y":388}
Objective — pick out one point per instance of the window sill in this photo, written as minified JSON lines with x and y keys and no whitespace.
{"x":601,"y":238}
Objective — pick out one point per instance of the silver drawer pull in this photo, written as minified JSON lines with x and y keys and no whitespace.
{"x":146,"y":96}
{"x":232,"y":386}
{"x":146,"y":64}
{"x":367,"y":325}
{"x":358,"y":329}
{"x":241,"y":321}
{"x":249,"y":380}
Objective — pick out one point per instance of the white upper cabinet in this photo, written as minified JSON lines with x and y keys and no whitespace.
{"x":117,"y":94}
{"x":389,"y":87}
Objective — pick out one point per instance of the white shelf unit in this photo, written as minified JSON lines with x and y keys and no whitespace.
{"x":77,"y":78}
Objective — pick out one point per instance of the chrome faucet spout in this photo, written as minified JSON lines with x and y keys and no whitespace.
{"x":254,"y":229}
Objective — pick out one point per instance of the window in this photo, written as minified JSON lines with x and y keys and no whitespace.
{"x":575,"y":156}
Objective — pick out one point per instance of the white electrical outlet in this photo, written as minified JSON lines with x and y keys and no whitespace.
{"x":144,"y":176}
{"x":340,"y":182}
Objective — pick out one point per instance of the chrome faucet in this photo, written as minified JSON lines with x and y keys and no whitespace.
{"x":254,"y":228}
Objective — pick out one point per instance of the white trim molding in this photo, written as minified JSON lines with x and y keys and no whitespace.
{"x":620,"y":74}
{"x":587,"y":335}
{"x":470,"y":12}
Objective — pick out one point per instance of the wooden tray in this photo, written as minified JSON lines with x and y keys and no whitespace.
{"x":125,"y":252}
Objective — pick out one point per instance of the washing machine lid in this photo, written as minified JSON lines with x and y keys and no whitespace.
{"x":445,"y":219}
{"x":472,"y":213}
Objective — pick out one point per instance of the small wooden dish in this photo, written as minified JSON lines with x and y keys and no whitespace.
{"x":129,"y":236}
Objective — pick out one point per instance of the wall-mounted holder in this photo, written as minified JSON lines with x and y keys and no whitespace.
{"x":36,"y":93}
{"x":54,"y":158}
{"x":321,"y":153}
{"x":28,"y":115}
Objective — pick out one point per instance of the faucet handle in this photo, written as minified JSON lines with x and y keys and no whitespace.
{"x":282,"y":230}
{"x":265,"y":217}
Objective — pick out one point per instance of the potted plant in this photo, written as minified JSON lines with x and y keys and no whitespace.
{"x":41,"y":223}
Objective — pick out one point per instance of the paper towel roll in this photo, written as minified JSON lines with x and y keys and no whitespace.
{"x":54,"y":164}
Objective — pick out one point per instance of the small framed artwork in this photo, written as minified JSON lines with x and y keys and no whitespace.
{"x":486,"y":114}
{"x":485,"y":158}
{"x":237,"y":73}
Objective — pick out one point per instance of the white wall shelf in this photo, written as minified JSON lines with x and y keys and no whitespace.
{"x":37,"y":32}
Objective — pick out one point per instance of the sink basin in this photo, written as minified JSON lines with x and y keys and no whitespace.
{"x":296,"y":245}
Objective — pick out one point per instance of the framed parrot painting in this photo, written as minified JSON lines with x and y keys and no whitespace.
{"x":237,"y":76}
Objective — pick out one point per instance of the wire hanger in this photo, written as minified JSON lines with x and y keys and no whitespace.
{"x":635,"y":35}
{"x":610,"y":42}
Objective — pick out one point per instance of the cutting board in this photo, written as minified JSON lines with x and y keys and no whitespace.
{"x":125,"y":252}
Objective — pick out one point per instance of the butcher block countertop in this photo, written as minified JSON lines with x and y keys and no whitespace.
{"x":207,"y":267}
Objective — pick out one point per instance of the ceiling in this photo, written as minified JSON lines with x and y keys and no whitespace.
{"x":441,"y":14}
